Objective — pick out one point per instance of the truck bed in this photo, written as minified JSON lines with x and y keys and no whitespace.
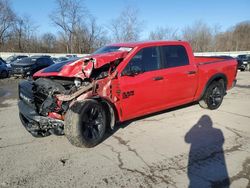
{"x":210,"y":59}
{"x":209,"y":66}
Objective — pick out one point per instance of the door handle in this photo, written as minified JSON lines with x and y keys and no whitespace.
{"x":158,"y":78}
{"x":191,"y":72}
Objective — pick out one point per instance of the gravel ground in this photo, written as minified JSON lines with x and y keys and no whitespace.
{"x":176,"y":148}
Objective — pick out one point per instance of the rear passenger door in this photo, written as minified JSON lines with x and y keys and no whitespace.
{"x":180,"y":76}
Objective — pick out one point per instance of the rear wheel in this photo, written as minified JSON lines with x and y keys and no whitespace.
{"x":85,"y":124}
{"x":213,"y":96}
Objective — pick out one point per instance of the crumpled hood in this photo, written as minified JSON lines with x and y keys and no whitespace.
{"x":81,"y":68}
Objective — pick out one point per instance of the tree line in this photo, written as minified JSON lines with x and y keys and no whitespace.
{"x":79,"y":32}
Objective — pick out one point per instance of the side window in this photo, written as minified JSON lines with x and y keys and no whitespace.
{"x":39,"y":62}
{"x":49,"y":61}
{"x":174,"y":56}
{"x":147,"y":59}
{"x":43,"y":62}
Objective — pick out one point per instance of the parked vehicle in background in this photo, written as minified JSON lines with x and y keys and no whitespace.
{"x":54,"y":59}
{"x":1,"y":59}
{"x":14,"y":58}
{"x":29,"y":65}
{"x":84,"y":98}
{"x":240,"y":65}
{"x":60,"y":59}
{"x":7,"y":64}
{"x":244,"y":62}
{"x":4,"y":72}
{"x":71,"y":56}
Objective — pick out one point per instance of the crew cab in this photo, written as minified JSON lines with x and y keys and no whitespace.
{"x":84,"y":98}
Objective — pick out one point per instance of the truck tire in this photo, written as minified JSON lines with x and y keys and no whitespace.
{"x":85,"y":124}
{"x":213,"y":95}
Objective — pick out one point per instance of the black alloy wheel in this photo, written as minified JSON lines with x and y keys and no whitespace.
{"x":92,"y":123}
{"x":215,"y":97}
{"x":85,"y":123}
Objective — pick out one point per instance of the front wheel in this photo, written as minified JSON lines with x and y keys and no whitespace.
{"x":85,"y":124}
{"x":213,"y":96}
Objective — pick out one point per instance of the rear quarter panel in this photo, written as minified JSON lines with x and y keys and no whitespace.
{"x":207,"y":70}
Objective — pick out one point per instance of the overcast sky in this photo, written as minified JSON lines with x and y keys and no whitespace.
{"x":174,"y":13}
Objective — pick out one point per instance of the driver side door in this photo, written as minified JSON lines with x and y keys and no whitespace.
{"x":141,"y":84}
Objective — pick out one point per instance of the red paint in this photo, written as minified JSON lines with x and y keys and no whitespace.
{"x":55,"y":115}
{"x":134,"y":96}
{"x":79,"y":69}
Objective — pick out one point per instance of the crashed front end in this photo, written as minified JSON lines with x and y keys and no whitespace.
{"x":44,"y":101}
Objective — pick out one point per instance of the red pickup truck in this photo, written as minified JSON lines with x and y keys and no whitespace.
{"x":85,"y":97}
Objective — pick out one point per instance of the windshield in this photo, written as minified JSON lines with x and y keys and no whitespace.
{"x":243,"y":57}
{"x":11,"y":58}
{"x":107,"y":49}
{"x":27,"y":60}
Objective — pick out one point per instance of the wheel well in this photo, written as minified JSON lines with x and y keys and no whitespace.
{"x":110,"y":108}
{"x":216,"y":77}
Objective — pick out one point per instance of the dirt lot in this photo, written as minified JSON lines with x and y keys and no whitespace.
{"x":175,"y":148}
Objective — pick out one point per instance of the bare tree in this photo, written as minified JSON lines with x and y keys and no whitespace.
{"x":68,"y":16}
{"x":127,"y":26}
{"x":23,"y":31}
{"x":95,"y":36}
{"x":7,"y":18}
{"x":199,"y":35}
{"x":223,"y":41}
{"x":241,"y":36}
{"x":163,"y":33}
{"x":234,"y":39}
{"x":48,"y":41}
{"x":79,"y":32}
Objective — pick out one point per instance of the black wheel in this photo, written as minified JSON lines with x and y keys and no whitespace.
{"x":85,"y":124}
{"x":213,"y":96}
{"x":4,"y":74}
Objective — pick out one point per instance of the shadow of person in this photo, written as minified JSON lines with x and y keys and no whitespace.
{"x":206,"y":163}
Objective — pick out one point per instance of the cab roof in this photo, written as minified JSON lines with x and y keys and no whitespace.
{"x":147,"y":43}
